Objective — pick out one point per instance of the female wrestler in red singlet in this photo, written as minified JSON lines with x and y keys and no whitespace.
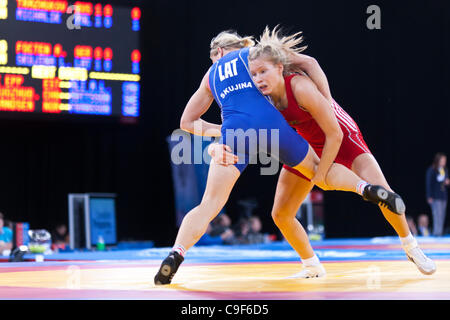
{"x":302,"y":121}
{"x":270,"y":68}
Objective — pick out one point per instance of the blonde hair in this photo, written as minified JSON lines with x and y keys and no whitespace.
{"x":277,"y":48}
{"x":229,"y":39}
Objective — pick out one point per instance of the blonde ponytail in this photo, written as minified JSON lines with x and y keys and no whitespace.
{"x":229,"y":40}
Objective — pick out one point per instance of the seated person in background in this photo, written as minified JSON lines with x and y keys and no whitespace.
{"x":220,"y":224}
{"x":412,"y":225}
{"x":60,"y":237}
{"x":254,"y":234}
{"x":242,"y":230}
{"x":6,"y":235}
{"x":423,"y":225}
{"x":226,"y":237}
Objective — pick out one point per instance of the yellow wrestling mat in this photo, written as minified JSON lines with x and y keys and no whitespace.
{"x":344,"y":280}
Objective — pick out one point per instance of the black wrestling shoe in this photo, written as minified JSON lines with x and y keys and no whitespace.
{"x":379,"y":195}
{"x":168,"y":268}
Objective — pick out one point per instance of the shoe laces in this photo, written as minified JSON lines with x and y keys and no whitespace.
{"x":384,"y":205}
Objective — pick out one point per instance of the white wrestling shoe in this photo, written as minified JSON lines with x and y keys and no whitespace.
{"x":416,"y":255}
{"x":310,"y":272}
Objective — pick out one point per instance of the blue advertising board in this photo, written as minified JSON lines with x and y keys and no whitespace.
{"x":103,"y":219}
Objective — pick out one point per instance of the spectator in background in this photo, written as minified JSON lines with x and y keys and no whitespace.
{"x":242,"y":230}
{"x":6,"y":235}
{"x":220,"y":224}
{"x":436,"y":182}
{"x":423,"y":225}
{"x":219,"y":231}
{"x":60,"y":237}
{"x":227,"y":237}
{"x":254,"y":234}
{"x":412,"y":225}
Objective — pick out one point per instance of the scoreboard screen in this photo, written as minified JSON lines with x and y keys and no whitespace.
{"x":69,"y":58}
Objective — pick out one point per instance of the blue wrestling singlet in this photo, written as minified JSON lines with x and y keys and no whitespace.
{"x":250,"y":123}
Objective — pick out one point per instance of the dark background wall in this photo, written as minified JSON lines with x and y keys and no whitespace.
{"x":394,"y":82}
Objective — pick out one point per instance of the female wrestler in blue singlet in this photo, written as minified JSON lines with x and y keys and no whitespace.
{"x":239,"y":100}
{"x":245,"y":109}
